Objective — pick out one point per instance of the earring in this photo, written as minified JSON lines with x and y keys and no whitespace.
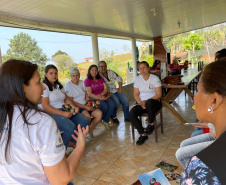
{"x":210,"y":109}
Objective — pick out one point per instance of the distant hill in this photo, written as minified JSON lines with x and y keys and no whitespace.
{"x":119,"y":65}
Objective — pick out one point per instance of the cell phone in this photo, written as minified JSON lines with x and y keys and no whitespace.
{"x":189,"y":123}
{"x":179,"y":83}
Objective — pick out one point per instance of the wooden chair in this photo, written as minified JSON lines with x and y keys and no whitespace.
{"x":156,"y":125}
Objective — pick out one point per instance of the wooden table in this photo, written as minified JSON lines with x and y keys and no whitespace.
{"x":175,"y":91}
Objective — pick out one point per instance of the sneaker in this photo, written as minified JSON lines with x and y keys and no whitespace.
{"x":149,"y":129}
{"x":116,"y":121}
{"x":127,"y":120}
{"x":141,"y":140}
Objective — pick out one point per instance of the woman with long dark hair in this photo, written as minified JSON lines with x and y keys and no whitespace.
{"x":32,"y":151}
{"x":97,"y":90}
{"x":54,"y":97}
{"x":156,"y":65}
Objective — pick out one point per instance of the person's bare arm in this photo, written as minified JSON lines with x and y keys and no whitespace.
{"x":90,"y":94}
{"x":119,"y":87}
{"x":63,"y":172}
{"x":86,"y":96}
{"x":158,"y":91}
{"x":76,"y":103}
{"x":201,"y":125}
{"x":52,"y":110}
{"x":105,"y":90}
{"x":136,"y":95}
{"x":80,"y":105}
{"x":137,"y":98}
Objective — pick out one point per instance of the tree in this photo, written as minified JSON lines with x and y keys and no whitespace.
{"x":126,"y":49}
{"x":23,"y":47}
{"x":149,"y":59}
{"x":175,"y":43}
{"x":63,"y":61}
{"x":142,"y":51}
{"x":59,"y":52}
{"x":193,"y":42}
{"x":106,"y":56}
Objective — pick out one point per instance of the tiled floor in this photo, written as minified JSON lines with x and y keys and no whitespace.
{"x":113,"y":157}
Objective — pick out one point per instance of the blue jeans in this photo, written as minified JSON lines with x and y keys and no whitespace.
{"x":197,"y":132}
{"x":192,"y":146}
{"x":68,"y":125}
{"x":120,"y":98}
{"x":107,"y":107}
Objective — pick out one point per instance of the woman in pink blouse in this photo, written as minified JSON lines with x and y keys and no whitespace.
{"x":97,"y":90}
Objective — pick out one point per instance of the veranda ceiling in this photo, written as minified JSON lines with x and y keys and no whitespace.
{"x":141,"y":19}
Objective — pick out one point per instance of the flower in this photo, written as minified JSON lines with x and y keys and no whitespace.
{"x":185,"y":65}
{"x":176,"y":65}
{"x":189,"y":181}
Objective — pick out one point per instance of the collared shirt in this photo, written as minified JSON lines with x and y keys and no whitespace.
{"x":110,"y":81}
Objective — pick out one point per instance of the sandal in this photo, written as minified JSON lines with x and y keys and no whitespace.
{"x":106,"y":125}
{"x":88,"y":136}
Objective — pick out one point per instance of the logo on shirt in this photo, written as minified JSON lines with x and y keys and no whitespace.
{"x":60,"y":140}
{"x":151,"y":86}
{"x":61,"y":143}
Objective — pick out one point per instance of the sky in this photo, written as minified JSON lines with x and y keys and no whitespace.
{"x":77,"y":46}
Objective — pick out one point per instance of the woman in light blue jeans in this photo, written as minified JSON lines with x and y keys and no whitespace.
{"x":192,"y":146}
{"x":54,"y":97}
{"x":110,"y":77}
{"x":120,"y":98}
{"x":68,"y":125}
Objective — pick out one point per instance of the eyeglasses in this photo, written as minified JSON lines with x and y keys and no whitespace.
{"x":103,"y":66}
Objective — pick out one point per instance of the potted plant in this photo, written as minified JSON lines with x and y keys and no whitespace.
{"x":185,"y":65}
{"x":175,"y":67}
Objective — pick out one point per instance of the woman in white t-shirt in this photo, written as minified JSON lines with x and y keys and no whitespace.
{"x":32,"y":151}
{"x":76,"y":91}
{"x":147,"y":93}
{"x":54,"y":97}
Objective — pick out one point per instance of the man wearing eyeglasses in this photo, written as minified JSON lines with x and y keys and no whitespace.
{"x":110,"y":77}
